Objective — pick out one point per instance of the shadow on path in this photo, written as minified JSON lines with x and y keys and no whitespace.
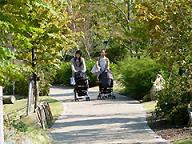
{"x":122,"y":120}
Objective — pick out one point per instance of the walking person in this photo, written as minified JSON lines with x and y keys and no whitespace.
{"x":102,"y":62}
{"x":104,"y":76}
{"x":77,"y":65}
{"x":79,"y":79}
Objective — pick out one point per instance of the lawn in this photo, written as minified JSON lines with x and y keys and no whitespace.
{"x":26,"y":129}
{"x":19,"y":105}
{"x":56,"y":106}
{"x":149,"y":106}
{"x":185,"y":141}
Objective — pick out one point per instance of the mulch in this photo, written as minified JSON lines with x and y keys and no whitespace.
{"x":173,"y":134}
{"x":168,"y":131}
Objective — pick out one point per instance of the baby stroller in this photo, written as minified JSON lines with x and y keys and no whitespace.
{"x":106,"y":85}
{"x":81,"y":86}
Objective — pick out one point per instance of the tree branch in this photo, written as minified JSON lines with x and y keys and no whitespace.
{"x":124,"y":14}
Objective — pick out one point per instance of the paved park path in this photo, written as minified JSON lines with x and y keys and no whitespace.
{"x":120,"y":121}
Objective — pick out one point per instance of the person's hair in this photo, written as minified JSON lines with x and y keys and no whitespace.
{"x":80,"y":58}
{"x":104,"y":51}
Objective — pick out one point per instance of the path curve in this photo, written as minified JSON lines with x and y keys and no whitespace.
{"x":120,"y":121}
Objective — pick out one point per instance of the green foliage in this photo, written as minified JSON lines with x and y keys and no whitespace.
{"x":37,"y":24}
{"x":8,"y":71}
{"x":183,"y":141}
{"x":63,"y":74}
{"x":22,"y":81}
{"x":137,"y":75}
{"x":19,"y":76}
{"x":46,"y":76}
{"x":116,"y":51}
{"x":173,"y":101}
{"x":92,"y":78}
{"x":147,"y":98}
{"x":21,"y":86}
{"x":169,"y":27}
{"x":26,"y":129}
{"x":19,"y":125}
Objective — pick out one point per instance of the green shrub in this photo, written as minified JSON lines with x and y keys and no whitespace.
{"x":21,"y":86}
{"x":92,"y":78}
{"x":19,"y":125}
{"x":137,"y":75}
{"x":117,"y":51}
{"x":44,"y":88}
{"x":22,"y":82}
{"x":63,"y":74}
{"x":46,"y":76}
{"x":174,"y":99}
{"x":147,"y":98}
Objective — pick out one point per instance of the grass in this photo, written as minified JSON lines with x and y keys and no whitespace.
{"x":29,"y":129}
{"x":20,"y":105}
{"x":184,"y":141}
{"x":56,"y":106}
{"x":149,"y":106}
{"x":118,"y":87}
{"x":17,"y":106}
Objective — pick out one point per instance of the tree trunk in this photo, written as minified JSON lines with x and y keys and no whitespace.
{"x":9,"y":99}
{"x":35,"y":92}
{"x":1,"y":116}
{"x":129,"y":7}
{"x":34,"y":78}
{"x":129,"y":13}
{"x":88,"y":53}
{"x":70,"y":11}
{"x":30,"y":98}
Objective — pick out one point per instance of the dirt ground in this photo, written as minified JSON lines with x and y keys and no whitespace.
{"x":168,"y":131}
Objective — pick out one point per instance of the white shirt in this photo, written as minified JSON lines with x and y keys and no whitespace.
{"x":102,"y":63}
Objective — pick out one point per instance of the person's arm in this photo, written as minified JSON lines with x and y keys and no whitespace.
{"x":84,"y":65}
{"x":107,"y":64}
{"x":97,"y":63}
{"x":72,"y":66}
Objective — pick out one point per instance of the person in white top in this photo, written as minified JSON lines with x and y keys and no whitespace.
{"x":102,"y":62}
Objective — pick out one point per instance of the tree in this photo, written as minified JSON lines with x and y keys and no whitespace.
{"x":39,"y":30}
{"x":168,"y":24}
{"x":169,"y":30}
{"x":5,"y":55}
{"x":105,"y":22}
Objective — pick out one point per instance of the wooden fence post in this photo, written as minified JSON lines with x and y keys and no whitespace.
{"x":30,"y":99}
{"x":1,"y":116}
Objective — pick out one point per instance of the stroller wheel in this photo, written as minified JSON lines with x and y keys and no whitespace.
{"x":104,"y":97}
{"x":75,"y":96}
{"x":99,"y":97}
{"x":110,"y":96}
{"x":113,"y":97}
{"x":87,"y":99}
